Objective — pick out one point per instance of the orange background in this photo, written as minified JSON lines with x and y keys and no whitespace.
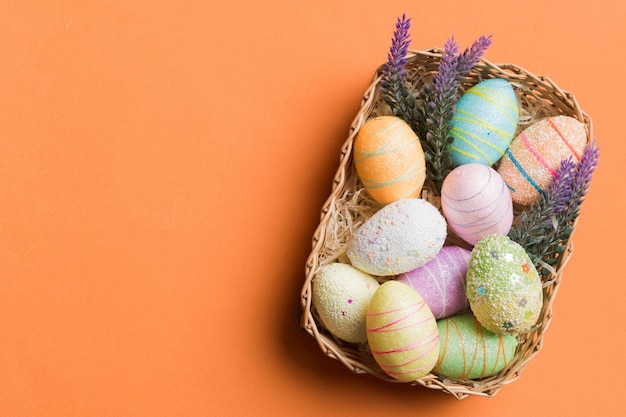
{"x":162,"y":169}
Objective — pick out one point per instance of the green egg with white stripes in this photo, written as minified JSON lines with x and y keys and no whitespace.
{"x":484,"y":123}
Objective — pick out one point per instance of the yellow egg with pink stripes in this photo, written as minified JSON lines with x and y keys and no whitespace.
{"x":401,"y":332}
{"x":531,"y":162}
{"x":389,"y":159}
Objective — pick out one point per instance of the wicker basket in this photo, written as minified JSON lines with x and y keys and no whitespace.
{"x":348,"y":206}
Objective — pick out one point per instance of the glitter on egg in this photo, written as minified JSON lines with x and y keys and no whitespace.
{"x":530,"y":163}
{"x":510,"y":291}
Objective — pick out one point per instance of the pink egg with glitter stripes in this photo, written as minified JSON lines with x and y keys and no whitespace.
{"x":476,"y":202}
{"x":531,"y":162}
{"x":441,"y":281}
{"x":401,"y":332}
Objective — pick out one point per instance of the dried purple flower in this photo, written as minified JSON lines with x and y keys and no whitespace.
{"x":398,"y":50}
{"x":439,"y":105}
{"x":393,"y":83}
{"x":469,"y":58}
{"x":561,"y":189}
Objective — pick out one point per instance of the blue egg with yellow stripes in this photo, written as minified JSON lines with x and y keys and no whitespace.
{"x":484,"y":123}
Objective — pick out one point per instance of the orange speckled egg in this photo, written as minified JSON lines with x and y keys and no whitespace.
{"x":402,"y":332}
{"x":530,"y":163}
{"x":389,"y":159}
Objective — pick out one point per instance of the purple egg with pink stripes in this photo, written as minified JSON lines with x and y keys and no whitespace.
{"x":476,"y":202}
{"x":441,"y":281}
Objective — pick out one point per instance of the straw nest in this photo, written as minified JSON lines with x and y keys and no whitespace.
{"x":349,"y":205}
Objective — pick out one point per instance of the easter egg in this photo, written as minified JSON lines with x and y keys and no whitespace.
{"x":476,"y":202}
{"x":503,"y":286}
{"x":441,"y":281}
{"x":484,"y":123}
{"x":469,"y":351}
{"x":399,"y":237}
{"x":531,"y":162}
{"x":389,"y":159}
{"x":340,"y":296}
{"x":402,"y":332}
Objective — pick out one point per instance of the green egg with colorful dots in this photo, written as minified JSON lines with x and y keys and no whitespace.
{"x":503,"y":287}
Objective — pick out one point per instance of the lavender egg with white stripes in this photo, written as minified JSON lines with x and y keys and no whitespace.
{"x":441,"y":281}
{"x":476,"y":202}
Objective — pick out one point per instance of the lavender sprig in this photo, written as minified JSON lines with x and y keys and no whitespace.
{"x":545,"y":229}
{"x":393,"y":84}
{"x":440,"y":102}
{"x":469,"y":58}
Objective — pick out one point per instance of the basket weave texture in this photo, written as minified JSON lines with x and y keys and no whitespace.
{"x":349,"y":205}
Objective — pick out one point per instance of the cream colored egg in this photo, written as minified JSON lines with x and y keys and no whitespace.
{"x":402,"y":332}
{"x":341,"y":294}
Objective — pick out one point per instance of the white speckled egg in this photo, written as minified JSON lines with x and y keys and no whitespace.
{"x":399,"y":237}
{"x":341,"y":294}
{"x":503,"y":286}
{"x":476,"y":202}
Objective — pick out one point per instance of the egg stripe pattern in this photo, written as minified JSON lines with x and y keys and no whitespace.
{"x":428,"y":268}
{"x":563,"y":138}
{"x":465,"y":136}
{"x":536,"y":154}
{"x":486,"y":220}
{"x":445,"y":343}
{"x":473,"y":119}
{"x":430,"y":342}
{"x":434,"y":344}
{"x":523,"y":172}
{"x":415,"y":171}
{"x":425,"y":342}
{"x":480,"y":332}
{"x":390,"y":327}
{"x":494,"y":97}
{"x":441,"y":289}
{"x":458,"y":271}
{"x":434,"y":269}
{"x":480,"y":345}
{"x":390,"y":146}
{"x":383,"y":149}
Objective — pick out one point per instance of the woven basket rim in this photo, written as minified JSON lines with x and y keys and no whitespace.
{"x":335,"y":348}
